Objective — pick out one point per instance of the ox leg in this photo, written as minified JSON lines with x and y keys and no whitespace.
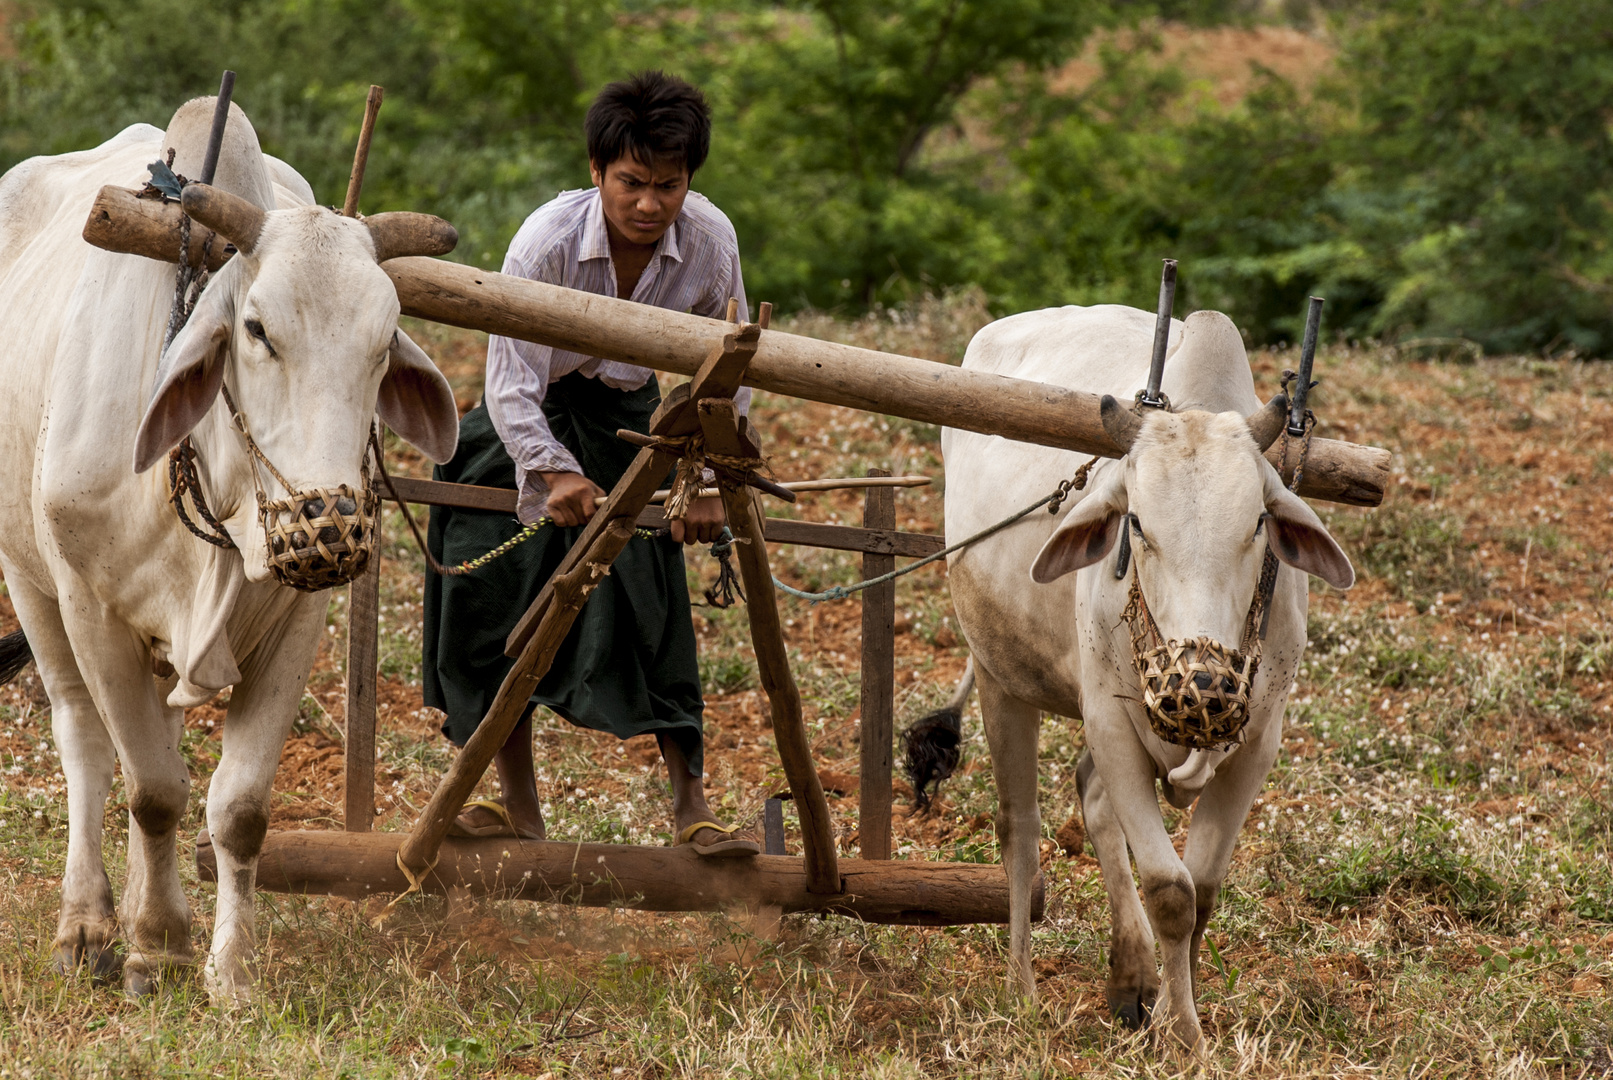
{"x":1133,"y":983}
{"x":1127,"y":774}
{"x":262,"y":709}
{"x":154,"y":912}
{"x":87,"y":928}
{"x":1011,"y":730}
{"x":1217,"y":820}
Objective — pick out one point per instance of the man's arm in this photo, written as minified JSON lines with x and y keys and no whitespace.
{"x":517,"y":383}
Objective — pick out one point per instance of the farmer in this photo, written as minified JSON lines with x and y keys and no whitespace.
{"x":547,"y":428}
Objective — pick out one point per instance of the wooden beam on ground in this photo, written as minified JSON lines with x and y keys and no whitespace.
{"x":800,"y":367}
{"x":362,"y":865}
{"x":878,"y":684}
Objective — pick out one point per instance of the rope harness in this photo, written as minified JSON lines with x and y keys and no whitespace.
{"x":1196,"y":692}
{"x":316,"y":539}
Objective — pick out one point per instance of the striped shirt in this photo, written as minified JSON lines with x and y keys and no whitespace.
{"x":695,"y":268}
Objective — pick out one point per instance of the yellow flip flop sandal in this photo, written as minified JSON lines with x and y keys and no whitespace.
{"x":722,"y":849}
{"x":504,"y":829}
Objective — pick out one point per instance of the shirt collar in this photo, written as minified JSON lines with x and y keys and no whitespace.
{"x":595,"y":243}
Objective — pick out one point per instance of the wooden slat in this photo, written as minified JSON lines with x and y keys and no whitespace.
{"x":458,"y":496}
{"x":778,"y":530}
{"x":878,"y":683}
{"x":851,"y":538}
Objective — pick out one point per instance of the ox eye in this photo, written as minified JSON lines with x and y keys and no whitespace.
{"x":255,"y":328}
{"x":1259,"y":525}
{"x":1137,"y":527}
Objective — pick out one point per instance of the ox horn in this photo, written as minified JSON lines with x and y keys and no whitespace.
{"x":1119,"y":423}
{"x":231,"y":216}
{"x":402,"y":232}
{"x":1267,"y":423}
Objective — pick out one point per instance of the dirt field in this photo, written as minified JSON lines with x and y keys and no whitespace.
{"x":1425,"y":888}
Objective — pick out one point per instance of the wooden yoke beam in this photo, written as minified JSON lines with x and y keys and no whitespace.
{"x":801,"y":367}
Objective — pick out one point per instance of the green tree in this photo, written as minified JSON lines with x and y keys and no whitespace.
{"x":844,"y":168}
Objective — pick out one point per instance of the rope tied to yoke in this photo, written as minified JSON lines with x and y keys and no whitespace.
{"x":1053,"y":500}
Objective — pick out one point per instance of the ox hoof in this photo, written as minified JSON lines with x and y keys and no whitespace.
{"x":139,"y":978}
{"x":101,"y":962}
{"x":229,"y":985}
{"x":1131,"y":1008}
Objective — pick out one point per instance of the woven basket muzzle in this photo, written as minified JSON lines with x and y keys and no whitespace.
{"x":321,"y":538}
{"x":1195,"y":692}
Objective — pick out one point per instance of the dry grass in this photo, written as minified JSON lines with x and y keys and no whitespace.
{"x":1424,"y":890}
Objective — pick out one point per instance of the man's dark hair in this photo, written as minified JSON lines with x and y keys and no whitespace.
{"x":652,"y":117}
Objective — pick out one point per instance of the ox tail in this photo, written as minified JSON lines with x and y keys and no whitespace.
{"x":14,"y":656}
{"x":933,"y":744}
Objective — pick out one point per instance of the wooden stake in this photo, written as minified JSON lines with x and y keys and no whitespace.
{"x":358,"y":744}
{"x":878,"y":683}
{"x":720,"y":420}
{"x":361,"y":156}
{"x":215,"y":136}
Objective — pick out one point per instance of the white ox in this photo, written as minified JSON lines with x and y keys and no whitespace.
{"x":1041,"y":608}
{"x":110,"y":588}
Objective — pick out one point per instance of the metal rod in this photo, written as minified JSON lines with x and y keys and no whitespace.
{"x":773,"y":827}
{"x":215,"y":138}
{"x":1307,"y":357}
{"x":361,"y":156}
{"x":1162,"y":334}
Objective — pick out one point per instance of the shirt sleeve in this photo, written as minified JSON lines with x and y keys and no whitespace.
{"x":518,"y":375}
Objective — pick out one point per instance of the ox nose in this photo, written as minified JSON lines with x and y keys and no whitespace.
{"x":1206,"y":681}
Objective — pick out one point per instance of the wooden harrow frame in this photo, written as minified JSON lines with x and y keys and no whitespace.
{"x":719,"y":358}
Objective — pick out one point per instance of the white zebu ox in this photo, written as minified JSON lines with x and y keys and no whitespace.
{"x":1045,"y":639}
{"x":107,"y":583}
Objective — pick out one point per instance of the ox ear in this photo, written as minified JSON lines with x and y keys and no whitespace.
{"x":188,"y":378}
{"x":1299,"y":538}
{"x":417,"y":402}
{"x":1087,"y":532}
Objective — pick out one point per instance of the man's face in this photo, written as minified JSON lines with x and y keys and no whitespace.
{"x":641,"y":201}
